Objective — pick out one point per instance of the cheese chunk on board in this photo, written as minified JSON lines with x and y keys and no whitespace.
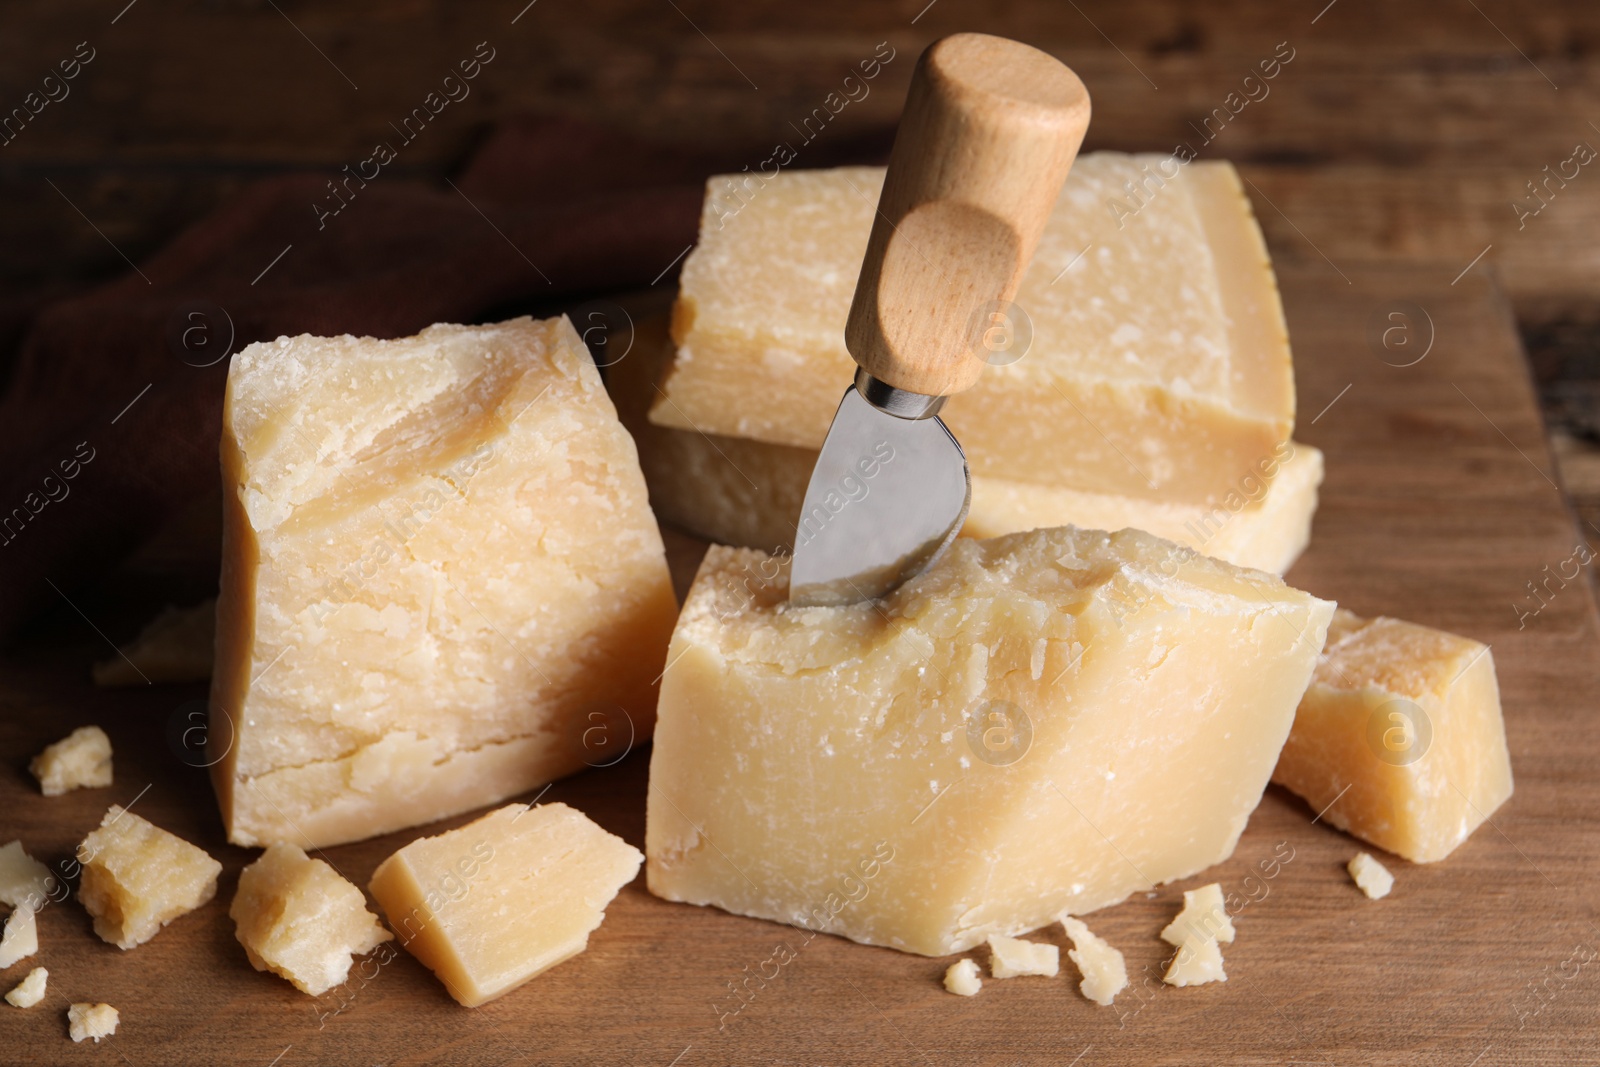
{"x":1204,"y":915}
{"x":85,"y":1021}
{"x":963,"y":978}
{"x":1399,"y":738}
{"x":440,"y":574}
{"x":23,"y":879}
{"x":137,"y":878}
{"x":81,"y":760}
{"x":175,"y":646}
{"x":988,"y":747}
{"x":1012,"y":957}
{"x":1159,"y":363}
{"x":29,"y":991}
{"x":504,"y":898}
{"x":739,"y":491}
{"x":1104,"y":970}
{"x":1370,"y":876}
{"x":20,"y":938}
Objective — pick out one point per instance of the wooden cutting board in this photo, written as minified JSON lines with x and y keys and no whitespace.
{"x":1440,"y":506}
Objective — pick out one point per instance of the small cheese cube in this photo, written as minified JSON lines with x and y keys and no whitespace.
{"x":963,"y":978}
{"x":91,"y":1020}
{"x":1372,"y":877}
{"x":23,"y":879}
{"x":30,"y":990}
{"x":1159,"y":362}
{"x":138,"y":877}
{"x":21,"y":937}
{"x":1012,"y":957}
{"x":1105,"y":972}
{"x":502,"y":899}
{"x":439,"y":561}
{"x":175,"y":646}
{"x":954,"y":760}
{"x":298,"y":918}
{"x":740,"y":491}
{"x":1399,"y":738}
{"x":1197,"y":962}
{"x":1204,"y":915}
{"x":80,"y":760}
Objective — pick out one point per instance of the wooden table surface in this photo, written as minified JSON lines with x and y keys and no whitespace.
{"x":1438,"y":507}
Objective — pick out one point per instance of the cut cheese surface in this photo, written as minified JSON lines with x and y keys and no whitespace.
{"x":504,"y":898}
{"x":439,"y":565}
{"x":1399,"y":739}
{"x":137,"y":878}
{"x":744,"y":492}
{"x":986,"y":748}
{"x":1159,"y":362}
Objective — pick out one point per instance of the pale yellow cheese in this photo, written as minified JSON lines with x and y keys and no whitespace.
{"x":1197,"y":962}
{"x":1012,"y":957}
{"x":81,"y":760}
{"x":439,"y":562}
{"x":175,"y":646}
{"x":1204,"y":915}
{"x":21,"y":937}
{"x":137,"y":878}
{"x":1399,"y":739}
{"x":988,"y":747}
{"x":739,"y":491}
{"x":504,"y":898}
{"x":23,"y":879}
{"x":963,"y":978}
{"x":1105,"y":972}
{"x":1159,"y":364}
{"x":300,"y":919}
{"x":29,"y":991}
{"x":91,"y":1020}
{"x":1370,"y":876}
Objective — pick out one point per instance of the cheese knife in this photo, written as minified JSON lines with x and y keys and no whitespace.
{"x":990,"y":128}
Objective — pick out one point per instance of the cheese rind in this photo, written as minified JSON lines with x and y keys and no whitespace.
{"x":137,"y":878}
{"x":300,"y":919}
{"x":21,"y":937}
{"x":440,"y":563}
{"x":963,"y":978}
{"x":804,"y":754}
{"x":1105,"y":972}
{"x":1399,"y":738}
{"x":95,"y":1021}
{"x":1204,"y":915}
{"x":504,"y":898}
{"x":1370,"y":876}
{"x":29,"y":991}
{"x":81,"y":760}
{"x":1159,"y":363}
{"x":175,"y":646}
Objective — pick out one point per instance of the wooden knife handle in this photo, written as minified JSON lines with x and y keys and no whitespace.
{"x":989,"y":131}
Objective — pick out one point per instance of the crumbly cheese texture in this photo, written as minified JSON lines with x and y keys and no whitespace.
{"x":137,"y":878}
{"x":21,"y":937}
{"x":963,"y":978}
{"x":29,"y":991}
{"x":1399,"y":738}
{"x":439,"y":560}
{"x":95,"y":1021}
{"x":1197,"y":962}
{"x":504,"y":898}
{"x":1012,"y":957}
{"x":739,"y":491}
{"x":1159,"y":364}
{"x":23,"y":879}
{"x":81,"y":760}
{"x":300,"y":919}
{"x":1105,"y":972}
{"x":1204,"y":915}
{"x":175,"y":646}
{"x":986,"y":748}
{"x":1370,"y":876}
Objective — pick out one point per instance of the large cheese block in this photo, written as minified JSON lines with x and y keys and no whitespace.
{"x":1159,"y":361}
{"x":1399,"y":738}
{"x":1041,"y":724}
{"x":439,"y":563}
{"x":744,"y":492}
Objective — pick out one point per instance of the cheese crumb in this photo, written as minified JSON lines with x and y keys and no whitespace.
{"x":23,"y":879}
{"x":138,"y":877}
{"x":1105,"y":972}
{"x":298,"y":918}
{"x":80,"y":760}
{"x":21,"y":938}
{"x":1197,"y":962}
{"x":1012,"y":957}
{"x":1203,"y":916}
{"x":30,"y":990}
{"x":92,"y":1020}
{"x":962,"y":978}
{"x":1373,"y":877}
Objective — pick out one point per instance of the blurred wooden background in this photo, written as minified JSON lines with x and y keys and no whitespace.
{"x":1397,"y":131}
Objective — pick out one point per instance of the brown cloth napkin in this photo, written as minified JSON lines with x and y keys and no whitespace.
{"x":111,"y":418}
